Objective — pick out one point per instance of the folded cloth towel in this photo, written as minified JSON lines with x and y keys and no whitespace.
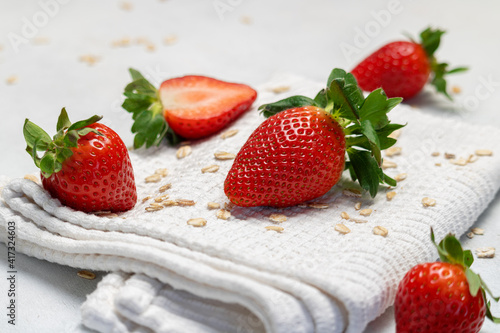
{"x":235,"y":275}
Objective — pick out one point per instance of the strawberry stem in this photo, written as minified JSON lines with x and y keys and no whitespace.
{"x":144,"y":103}
{"x":365,"y":122}
{"x":57,"y":149}
{"x":450,"y":251}
{"x":430,"y":40}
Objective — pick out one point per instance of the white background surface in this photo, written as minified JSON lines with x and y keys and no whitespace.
{"x":234,"y":40}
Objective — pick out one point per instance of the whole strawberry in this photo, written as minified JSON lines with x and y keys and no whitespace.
{"x":442,"y":296}
{"x":299,"y":152}
{"x":191,"y":107}
{"x":86,"y":165}
{"x":402,"y":68}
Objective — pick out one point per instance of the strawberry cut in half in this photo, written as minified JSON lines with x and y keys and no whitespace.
{"x":402,"y":68}
{"x":445,"y":296}
{"x":86,"y":165}
{"x":189,"y":107}
{"x":299,"y":152}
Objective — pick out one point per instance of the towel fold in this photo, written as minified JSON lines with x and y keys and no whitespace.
{"x":235,"y":275}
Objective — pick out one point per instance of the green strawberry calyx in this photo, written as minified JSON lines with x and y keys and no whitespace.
{"x":450,"y":250}
{"x":430,"y":40}
{"x":143,"y":101}
{"x":365,"y":122}
{"x":57,"y":149}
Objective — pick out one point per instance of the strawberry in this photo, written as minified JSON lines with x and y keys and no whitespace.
{"x":298,"y":153}
{"x":443,"y":296}
{"x":86,"y":165}
{"x":191,"y":107}
{"x":402,"y":68}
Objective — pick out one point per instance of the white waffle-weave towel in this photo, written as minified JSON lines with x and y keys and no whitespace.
{"x":234,"y":275}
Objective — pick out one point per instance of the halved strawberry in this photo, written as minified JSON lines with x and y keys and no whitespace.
{"x":191,"y":107}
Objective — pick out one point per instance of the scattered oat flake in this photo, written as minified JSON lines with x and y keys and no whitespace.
{"x":344,"y":215}
{"x":126,"y":5}
{"x":33,"y":178}
{"x":185,"y":202}
{"x":449,"y":156}
{"x":229,"y":134}
{"x":386,"y":164}
{"x":89,"y":59}
{"x":165,"y":187}
{"x":484,"y":152}
{"x":318,"y":205}
{"x":280,"y":89}
{"x":197,"y":222}
{"x":223,"y":214}
{"x":472,"y":158}
{"x":155,"y":178}
{"x":365,"y":212}
{"x":357,"y":206}
{"x":390,"y":195}
{"x":435,"y":154}
{"x":380,"y":231}
{"x":470,"y":234}
{"x":222,"y":155}
{"x":428,"y":202}
{"x":146,"y":199}
{"x":392,"y":151}
{"x":278,"y":218}
{"x":122,"y":42}
{"x":351,"y":192}
{"x":151,"y":47}
{"x":161,"y":198}
{"x":477,"y":231}
{"x":275,"y":228}
{"x":456,"y":89}
{"x":246,"y":20}
{"x":342,"y":228}
{"x":86,"y":275}
{"x":395,"y":134}
{"x":210,"y":168}
{"x":39,"y":40}
{"x":400,"y":177}
{"x":162,"y":172}
{"x":437,"y":164}
{"x":213,"y":205}
{"x":302,"y":205}
{"x":170,"y":40}
{"x":12,"y":79}
{"x":461,"y":162}
{"x":153,"y":208}
{"x":354,"y":219}
{"x":107,"y":214}
{"x":183,"y":151}
{"x":485,"y":252}
{"x":169,"y":203}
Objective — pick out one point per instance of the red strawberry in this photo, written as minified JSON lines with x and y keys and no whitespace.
{"x":191,"y":107}
{"x":86,"y":165}
{"x":293,"y":156}
{"x":442,"y":296}
{"x":298,"y":154}
{"x":402,"y":68}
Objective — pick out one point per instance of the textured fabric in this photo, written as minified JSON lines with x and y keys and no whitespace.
{"x":235,"y":275}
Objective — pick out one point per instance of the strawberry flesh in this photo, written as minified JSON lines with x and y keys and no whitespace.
{"x":97,"y":177}
{"x":197,"y":106}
